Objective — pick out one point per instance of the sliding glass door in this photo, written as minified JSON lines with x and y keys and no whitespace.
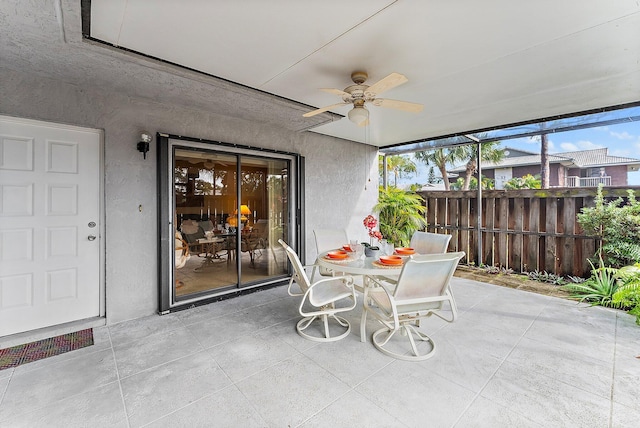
{"x":227,"y":209}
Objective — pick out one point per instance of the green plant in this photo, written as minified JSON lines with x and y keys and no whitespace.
{"x":598,"y":289}
{"x":400,"y":213}
{"x":546,"y":277}
{"x":627,"y":295}
{"x":487,"y":183}
{"x":495,"y":270}
{"x":525,"y":182}
{"x":618,"y":227}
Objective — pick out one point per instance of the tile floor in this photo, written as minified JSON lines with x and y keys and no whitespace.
{"x":513,"y":359}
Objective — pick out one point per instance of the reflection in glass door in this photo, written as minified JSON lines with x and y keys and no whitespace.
{"x":226,"y":229}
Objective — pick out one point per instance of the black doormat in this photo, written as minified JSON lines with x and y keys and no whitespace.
{"x":34,"y":351}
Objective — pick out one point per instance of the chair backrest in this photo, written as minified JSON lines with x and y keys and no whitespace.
{"x":330,"y":239}
{"x":425,"y":277}
{"x":181,"y":251}
{"x":191,"y":231}
{"x":299,"y":275}
{"x":206,"y":225}
{"x":430,"y":243}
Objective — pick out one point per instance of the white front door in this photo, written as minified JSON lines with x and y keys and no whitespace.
{"x":49,"y":224}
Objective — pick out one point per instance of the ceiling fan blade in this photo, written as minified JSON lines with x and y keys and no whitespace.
{"x":336,"y":91}
{"x":323,"y":109}
{"x":391,"y":81}
{"x":398,"y":105}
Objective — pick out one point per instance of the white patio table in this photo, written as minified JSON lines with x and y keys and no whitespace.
{"x":366,"y":266}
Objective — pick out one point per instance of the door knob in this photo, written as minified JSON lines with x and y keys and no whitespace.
{"x":91,"y":237}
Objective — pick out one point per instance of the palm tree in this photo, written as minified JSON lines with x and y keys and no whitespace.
{"x":441,"y":158}
{"x":545,"y":173}
{"x":491,"y":152}
{"x":399,"y":166}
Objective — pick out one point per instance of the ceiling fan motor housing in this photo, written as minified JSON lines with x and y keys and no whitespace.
{"x":359,"y":77}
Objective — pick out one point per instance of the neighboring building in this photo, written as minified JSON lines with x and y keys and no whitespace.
{"x":586,"y":168}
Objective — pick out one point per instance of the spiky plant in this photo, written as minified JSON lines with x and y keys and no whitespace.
{"x":628,"y":293}
{"x":400,"y":213}
{"x":598,"y":289}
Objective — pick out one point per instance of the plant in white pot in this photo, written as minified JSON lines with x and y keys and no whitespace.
{"x":370,"y":223}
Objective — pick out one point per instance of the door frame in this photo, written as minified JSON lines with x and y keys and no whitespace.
{"x":165,"y":144}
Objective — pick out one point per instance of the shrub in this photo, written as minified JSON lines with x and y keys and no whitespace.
{"x":618,"y":227}
{"x":525,"y":182}
{"x":627,"y":296}
{"x":544,"y":276}
{"x":598,"y":289}
{"x":401,"y":214}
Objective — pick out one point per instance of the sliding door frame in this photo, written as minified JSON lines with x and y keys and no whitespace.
{"x":165,"y":191}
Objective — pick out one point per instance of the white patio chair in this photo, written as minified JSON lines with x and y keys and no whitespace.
{"x":322,"y":295}
{"x":430,"y":243}
{"x":328,"y":239}
{"x":421,"y":291}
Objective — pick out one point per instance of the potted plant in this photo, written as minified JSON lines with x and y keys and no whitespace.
{"x":370,"y":223}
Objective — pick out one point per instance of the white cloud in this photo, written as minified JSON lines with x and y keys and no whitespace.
{"x":601,"y":128}
{"x":629,"y":151}
{"x":588,"y":145}
{"x":569,"y":147}
{"x":535,"y":139}
{"x":622,"y":135}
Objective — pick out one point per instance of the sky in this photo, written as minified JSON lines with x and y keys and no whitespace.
{"x":622,"y":140}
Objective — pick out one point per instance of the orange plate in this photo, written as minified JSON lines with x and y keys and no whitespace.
{"x":337,"y":254}
{"x":391,"y":260}
{"x":405,"y":251}
{"x":347,"y":247}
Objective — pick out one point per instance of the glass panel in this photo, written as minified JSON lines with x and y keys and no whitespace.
{"x":205,"y":196}
{"x":263,"y":215}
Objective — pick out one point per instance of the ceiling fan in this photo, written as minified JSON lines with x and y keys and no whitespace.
{"x":359,"y":94}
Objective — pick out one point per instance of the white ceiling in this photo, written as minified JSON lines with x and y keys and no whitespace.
{"x":473,"y":64}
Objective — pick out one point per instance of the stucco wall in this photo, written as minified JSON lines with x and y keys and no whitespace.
{"x":338,"y":190}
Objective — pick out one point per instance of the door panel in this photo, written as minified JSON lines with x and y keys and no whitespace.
{"x":49,"y":212}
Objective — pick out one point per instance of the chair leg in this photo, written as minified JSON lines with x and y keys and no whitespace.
{"x":304,"y":323}
{"x":363,"y":325}
{"x":325,"y":321}
{"x":408,"y":330}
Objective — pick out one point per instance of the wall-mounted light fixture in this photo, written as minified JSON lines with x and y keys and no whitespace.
{"x":143,"y":145}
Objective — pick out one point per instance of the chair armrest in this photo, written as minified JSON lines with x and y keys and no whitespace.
{"x":348,"y":281}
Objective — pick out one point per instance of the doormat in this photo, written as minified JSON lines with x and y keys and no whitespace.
{"x":34,"y":351}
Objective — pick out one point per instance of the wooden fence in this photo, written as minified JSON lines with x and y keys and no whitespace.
{"x":523,"y":230}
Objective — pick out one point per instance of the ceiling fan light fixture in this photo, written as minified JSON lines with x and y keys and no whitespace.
{"x":358,"y":115}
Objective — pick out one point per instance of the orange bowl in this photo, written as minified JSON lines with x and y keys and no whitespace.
{"x":391,"y":260}
{"x":339,"y":254}
{"x":405,"y":251}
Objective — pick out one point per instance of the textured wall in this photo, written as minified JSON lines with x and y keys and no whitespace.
{"x":338,"y":190}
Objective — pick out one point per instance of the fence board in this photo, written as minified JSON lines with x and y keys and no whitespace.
{"x":488,"y":256}
{"x":464,"y":213}
{"x":568,"y":249}
{"x":534,"y":227}
{"x":453,"y":206}
{"x":503,"y":237}
{"x":550,"y":253}
{"x":515,"y":259}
